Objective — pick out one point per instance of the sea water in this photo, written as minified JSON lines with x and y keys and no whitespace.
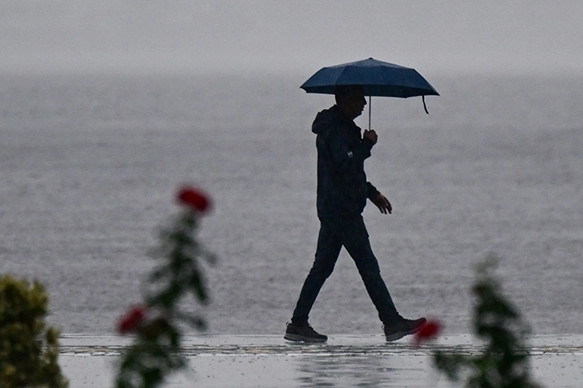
{"x":89,"y":166}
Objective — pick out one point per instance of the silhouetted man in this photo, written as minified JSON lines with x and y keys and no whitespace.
{"x":341,"y":197}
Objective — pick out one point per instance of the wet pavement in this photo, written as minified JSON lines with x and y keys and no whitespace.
{"x":345,"y":361}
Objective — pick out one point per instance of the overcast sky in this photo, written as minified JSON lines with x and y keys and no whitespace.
{"x":271,"y":35}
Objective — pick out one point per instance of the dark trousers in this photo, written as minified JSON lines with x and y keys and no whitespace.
{"x":350,"y":233}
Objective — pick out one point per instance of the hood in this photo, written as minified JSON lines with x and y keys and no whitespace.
{"x":324,"y":119}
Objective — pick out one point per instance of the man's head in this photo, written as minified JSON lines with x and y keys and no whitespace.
{"x":350,"y":98}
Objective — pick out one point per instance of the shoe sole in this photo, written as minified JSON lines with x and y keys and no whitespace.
{"x":399,"y":335}
{"x":299,"y":338}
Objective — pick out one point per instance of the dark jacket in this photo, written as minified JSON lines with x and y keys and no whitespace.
{"x":342,"y":185}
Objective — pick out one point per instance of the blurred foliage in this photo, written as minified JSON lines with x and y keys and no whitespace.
{"x":156,"y":351}
{"x":504,"y":360}
{"x":29,"y":349}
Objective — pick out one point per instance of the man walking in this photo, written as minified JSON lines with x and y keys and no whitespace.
{"x":341,"y":197}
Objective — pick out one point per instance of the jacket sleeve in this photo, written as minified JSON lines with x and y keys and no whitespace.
{"x":371,"y":191}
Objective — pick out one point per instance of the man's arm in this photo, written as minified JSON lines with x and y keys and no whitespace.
{"x":373,"y":194}
{"x":378,"y":199}
{"x":342,"y":156}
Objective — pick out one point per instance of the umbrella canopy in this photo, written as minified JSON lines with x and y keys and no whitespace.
{"x":376,"y":77}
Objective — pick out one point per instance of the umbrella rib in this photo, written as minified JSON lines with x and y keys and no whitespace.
{"x":341,"y":74}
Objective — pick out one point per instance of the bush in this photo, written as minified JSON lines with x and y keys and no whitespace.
{"x":29,"y":349}
{"x":504,"y":361}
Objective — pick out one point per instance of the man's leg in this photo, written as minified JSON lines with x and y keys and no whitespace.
{"x":327,"y":253}
{"x":357,"y":243}
{"x":358,"y":246}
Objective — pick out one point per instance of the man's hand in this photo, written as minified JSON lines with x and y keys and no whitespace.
{"x":370,"y":135}
{"x":383,"y":204}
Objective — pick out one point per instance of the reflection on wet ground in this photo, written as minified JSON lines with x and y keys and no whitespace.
{"x":345,"y":361}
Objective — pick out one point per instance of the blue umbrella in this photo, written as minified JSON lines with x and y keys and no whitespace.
{"x":376,"y":77}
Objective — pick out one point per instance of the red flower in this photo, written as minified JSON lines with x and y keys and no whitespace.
{"x":429,"y":331}
{"x":132,"y":320}
{"x":194,"y":199}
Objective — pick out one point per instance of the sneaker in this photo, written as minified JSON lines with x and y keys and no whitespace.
{"x":402,"y":327}
{"x":303,"y":333}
